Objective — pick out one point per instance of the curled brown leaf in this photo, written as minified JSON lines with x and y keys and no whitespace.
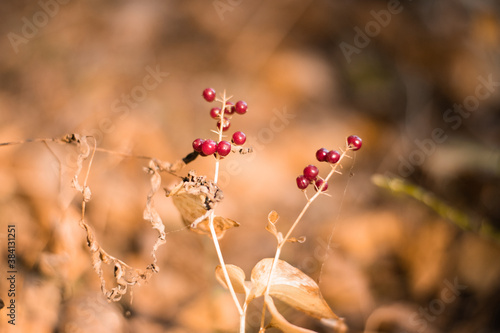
{"x":292,"y":286}
{"x":195,"y":197}
{"x":278,"y":321}
{"x":237,"y":277}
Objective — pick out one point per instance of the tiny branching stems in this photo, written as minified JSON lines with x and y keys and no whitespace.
{"x":84,"y":185}
{"x":292,"y":228}
{"x":241,"y":311}
{"x":127,"y":276}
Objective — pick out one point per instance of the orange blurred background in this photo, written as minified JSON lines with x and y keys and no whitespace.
{"x":418,"y":81}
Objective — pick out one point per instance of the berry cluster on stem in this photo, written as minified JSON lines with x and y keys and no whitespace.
{"x":223,"y":115}
{"x":310,"y":174}
{"x":220,"y":149}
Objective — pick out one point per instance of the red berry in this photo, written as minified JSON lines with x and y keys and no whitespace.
{"x":223,"y":148}
{"x":229,"y":108}
{"x":354,"y":142}
{"x":197,"y":144}
{"x":241,"y":107}
{"x":215,"y":113}
{"x":225,"y":125}
{"x":311,"y":172}
{"x":302,"y":182}
{"x":320,"y":182}
{"x":333,"y":157}
{"x":239,"y":138}
{"x":209,"y":147}
{"x":209,"y":94}
{"x":321,"y":154}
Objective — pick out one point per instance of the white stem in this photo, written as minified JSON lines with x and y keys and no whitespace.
{"x":292,"y":228}
{"x":223,"y":265}
{"x":243,"y":320}
{"x":241,"y":312}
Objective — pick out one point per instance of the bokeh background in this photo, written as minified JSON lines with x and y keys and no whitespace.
{"x":419,"y":81}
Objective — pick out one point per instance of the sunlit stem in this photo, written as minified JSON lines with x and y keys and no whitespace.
{"x":241,"y":312}
{"x":292,"y":228}
{"x":223,"y":266}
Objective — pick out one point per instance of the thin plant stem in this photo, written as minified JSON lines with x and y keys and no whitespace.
{"x":292,"y":228}
{"x":243,"y":317}
{"x":90,"y":163}
{"x":241,"y":312}
{"x":223,"y":265}
{"x":27,"y":141}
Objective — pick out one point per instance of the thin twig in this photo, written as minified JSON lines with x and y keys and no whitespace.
{"x":292,"y":228}
{"x":212,"y":228}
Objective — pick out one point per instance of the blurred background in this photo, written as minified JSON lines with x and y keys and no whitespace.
{"x":418,"y":81}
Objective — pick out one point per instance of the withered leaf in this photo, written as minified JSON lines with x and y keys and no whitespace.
{"x":300,"y":239}
{"x":271,"y":226}
{"x":291,"y":286}
{"x":337,"y":324}
{"x":278,"y":321}
{"x":195,"y":197}
{"x":236,"y":275}
{"x":273,"y":217}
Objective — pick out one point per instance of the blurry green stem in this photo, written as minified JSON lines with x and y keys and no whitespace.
{"x":457,"y":217}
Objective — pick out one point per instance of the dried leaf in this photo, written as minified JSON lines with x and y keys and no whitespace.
{"x":195,"y":197}
{"x":124,"y":274}
{"x":271,"y":225}
{"x":300,"y":240}
{"x":337,"y":324}
{"x":236,"y":275}
{"x":272,"y":228}
{"x":278,"y":321}
{"x":84,"y":152}
{"x":273,"y":217}
{"x":150,"y":214}
{"x":291,"y":286}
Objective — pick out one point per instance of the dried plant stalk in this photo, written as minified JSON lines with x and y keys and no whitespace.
{"x":124,"y":274}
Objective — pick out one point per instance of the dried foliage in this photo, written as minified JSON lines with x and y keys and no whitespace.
{"x":125,"y":275}
{"x":195,"y":198}
{"x":288,"y":284}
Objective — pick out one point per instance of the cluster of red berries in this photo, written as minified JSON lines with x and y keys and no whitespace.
{"x":222,"y":148}
{"x":311,"y":172}
{"x":216,"y":113}
{"x":310,"y":176}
